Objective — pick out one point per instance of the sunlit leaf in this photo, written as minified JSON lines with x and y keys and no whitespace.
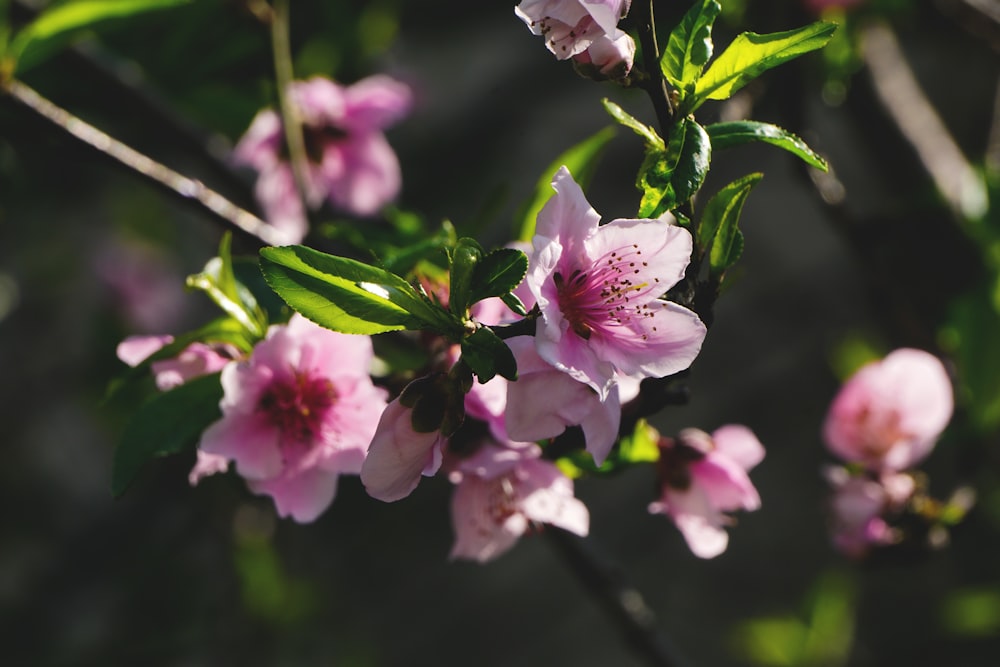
{"x":737,"y":133}
{"x":690,"y":46}
{"x":346,"y":295}
{"x":58,"y":24}
{"x":627,"y":120}
{"x":218,"y":281}
{"x":751,"y":54}
{"x":166,"y":424}
{"x":718,"y":232}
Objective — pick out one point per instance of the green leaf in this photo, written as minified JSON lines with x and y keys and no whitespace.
{"x":57,"y":25}
{"x":346,"y":295}
{"x":690,"y":46}
{"x":218,"y":281}
{"x":513,"y":302}
{"x":487,"y":355}
{"x":581,"y":160}
{"x":498,"y":273}
{"x":165,"y":424}
{"x":751,"y":54}
{"x":718,"y":232}
{"x":692,"y":165}
{"x":464,"y":259}
{"x":671,"y":177}
{"x":970,"y":336}
{"x":624,"y":118}
{"x":737,"y":133}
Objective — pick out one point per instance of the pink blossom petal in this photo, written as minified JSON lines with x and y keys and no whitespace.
{"x":250,"y":441}
{"x":398,"y":455}
{"x":376,"y":102}
{"x":136,"y":349}
{"x":207,"y":464}
{"x":478,"y":534}
{"x":371,"y":177}
{"x":566,"y":216}
{"x":656,"y":253}
{"x":725,"y":484}
{"x":739,"y":444}
{"x":303,"y":497}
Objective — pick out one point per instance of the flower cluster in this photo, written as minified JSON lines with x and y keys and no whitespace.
{"x":350,"y":163}
{"x":885,"y":420}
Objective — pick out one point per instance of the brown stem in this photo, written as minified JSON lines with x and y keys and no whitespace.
{"x":188,"y":189}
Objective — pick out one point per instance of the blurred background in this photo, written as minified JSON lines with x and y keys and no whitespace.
{"x":877,"y":255}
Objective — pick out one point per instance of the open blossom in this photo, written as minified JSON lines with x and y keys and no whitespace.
{"x":890,"y":413}
{"x":585,"y":29}
{"x":703,"y":476}
{"x":598,"y":289}
{"x":859,"y":506}
{"x":195,"y":360}
{"x":297,"y":414}
{"x":500,"y":492}
{"x":350,"y":163}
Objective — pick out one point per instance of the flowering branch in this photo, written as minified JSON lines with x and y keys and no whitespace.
{"x":189,"y":189}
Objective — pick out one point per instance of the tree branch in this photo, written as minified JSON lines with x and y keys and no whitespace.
{"x":188,"y":189}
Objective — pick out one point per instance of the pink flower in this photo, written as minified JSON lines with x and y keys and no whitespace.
{"x":890,"y":413}
{"x":859,"y":505}
{"x":599,"y":287}
{"x":491,"y":510}
{"x":195,"y":360}
{"x":612,"y":58}
{"x":296,"y":415}
{"x":544,"y":401}
{"x":576,"y":27}
{"x":704,"y":476}
{"x":350,"y":162}
{"x":399,"y":455}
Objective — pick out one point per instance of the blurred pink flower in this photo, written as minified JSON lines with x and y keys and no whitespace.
{"x":399,"y":455}
{"x":702,"y":477}
{"x":350,"y":162}
{"x":859,"y":505}
{"x":599,"y":288}
{"x":500,"y":492}
{"x":145,"y":282}
{"x":576,"y":27}
{"x":195,"y":360}
{"x":890,"y":413}
{"x":296,"y":415}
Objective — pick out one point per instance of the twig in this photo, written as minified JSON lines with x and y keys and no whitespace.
{"x":623,"y":603}
{"x":188,"y":189}
{"x":901,"y":96}
{"x":655,"y":85}
{"x":291,"y":120}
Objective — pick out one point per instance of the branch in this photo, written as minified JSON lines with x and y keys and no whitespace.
{"x":188,"y":189}
{"x":655,"y":85}
{"x":901,"y":96}
{"x":623,"y":603}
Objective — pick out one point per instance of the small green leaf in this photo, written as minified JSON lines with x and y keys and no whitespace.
{"x":487,"y":355}
{"x":692,"y":165}
{"x":653,"y":181}
{"x":581,"y":160}
{"x":464,"y":259}
{"x":624,"y":118}
{"x":165,"y":424}
{"x":346,"y":295}
{"x":498,"y":273}
{"x":690,"y":46}
{"x":218,"y":281}
{"x":751,"y":54}
{"x":55,"y":26}
{"x":737,"y":133}
{"x":718,"y":232}
{"x":514,"y":303}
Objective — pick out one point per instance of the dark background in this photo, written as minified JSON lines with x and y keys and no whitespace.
{"x":174,"y":575}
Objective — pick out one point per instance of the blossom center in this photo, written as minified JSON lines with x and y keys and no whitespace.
{"x":879,"y":432}
{"x":604,"y":297}
{"x":298,"y":405}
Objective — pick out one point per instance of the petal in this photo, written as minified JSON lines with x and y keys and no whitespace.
{"x":654,"y":254}
{"x":665,"y":341}
{"x":704,"y":538}
{"x":260,"y":144}
{"x":319,"y":101}
{"x":249,"y":440}
{"x":724,"y":483}
{"x":606,"y":13}
{"x":371,"y":176}
{"x":398,"y":456}
{"x":375,"y":103}
{"x":567,"y":217}
{"x":135,"y":349}
{"x":546,"y":496}
{"x":275,"y":191}
{"x":739,"y":444}
{"x":207,"y":464}
{"x":478,"y":534}
{"x":303,"y":497}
